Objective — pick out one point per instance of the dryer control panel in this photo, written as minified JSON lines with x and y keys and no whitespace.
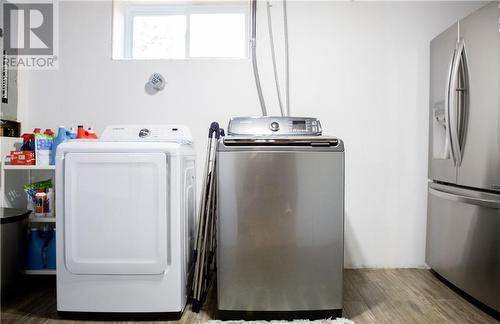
{"x":282,"y":126}
{"x":147,"y":133}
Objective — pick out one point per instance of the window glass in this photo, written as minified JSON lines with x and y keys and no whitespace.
{"x":158,"y":29}
{"x":217,"y":35}
{"x":156,"y":37}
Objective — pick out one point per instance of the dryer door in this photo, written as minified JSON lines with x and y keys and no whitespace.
{"x":115,"y":213}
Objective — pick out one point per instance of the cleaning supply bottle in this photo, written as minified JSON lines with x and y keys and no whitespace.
{"x":28,"y":142}
{"x":80,"y":133}
{"x":43,"y":147}
{"x":71,"y":134}
{"x":91,"y":133}
{"x":83,"y":133}
{"x":62,"y":135}
{"x":40,"y":203}
{"x":49,"y":203}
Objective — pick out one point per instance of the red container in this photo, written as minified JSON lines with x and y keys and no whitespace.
{"x":22,"y":158}
{"x":83,"y":133}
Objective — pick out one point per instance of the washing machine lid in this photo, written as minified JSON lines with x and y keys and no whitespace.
{"x":147,"y":133}
{"x":116,"y":213}
{"x":314,"y":141}
{"x":282,"y":133}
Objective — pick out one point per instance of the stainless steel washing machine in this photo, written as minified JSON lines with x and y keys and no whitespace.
{"x":280,"y":219}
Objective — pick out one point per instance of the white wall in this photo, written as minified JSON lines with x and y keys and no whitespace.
{"x":362,"y":68}
{"x":8,"y":110}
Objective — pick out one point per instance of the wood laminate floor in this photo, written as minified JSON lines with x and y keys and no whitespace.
{"x":370,"y":296}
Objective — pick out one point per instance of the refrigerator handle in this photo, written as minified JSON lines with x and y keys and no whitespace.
{"x":482,"y":202}
{"x":455,"y":108}
{"x":462,"y":90}
{"x":447,"y":107}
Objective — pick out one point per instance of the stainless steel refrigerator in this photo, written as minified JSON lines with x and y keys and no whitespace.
{"x":463,"y":222}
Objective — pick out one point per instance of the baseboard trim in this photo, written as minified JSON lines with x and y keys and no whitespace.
{"x":386,"y":267}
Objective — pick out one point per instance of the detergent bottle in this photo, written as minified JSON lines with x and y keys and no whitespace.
{"x":71,"y":133}
{"x":28,"y":142}
{"x":84,"y":133}
{"x":91,"y":133}
{"x":43,"y":146}
{"x":61,"y":137}
{"x":80,"y":132}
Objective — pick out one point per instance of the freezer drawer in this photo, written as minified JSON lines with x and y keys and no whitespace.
{"x":463,"y":240}
{"x":280,"y":230}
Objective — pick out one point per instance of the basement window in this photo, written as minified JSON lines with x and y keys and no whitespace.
{"x":149,"y":30}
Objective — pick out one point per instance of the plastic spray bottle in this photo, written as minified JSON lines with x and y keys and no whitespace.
{"x":61,"y":137}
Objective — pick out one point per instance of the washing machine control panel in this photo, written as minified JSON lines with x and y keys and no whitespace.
{"x":147,"y":133}
{"x":284,"y":126}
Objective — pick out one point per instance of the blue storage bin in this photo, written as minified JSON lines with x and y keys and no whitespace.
{"x":34,"y":258}
{"x":51,"y":252}
{"x":46,"y":235}
{"x":37,"y":254}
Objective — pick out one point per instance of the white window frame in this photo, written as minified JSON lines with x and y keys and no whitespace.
{"x":133,"y":11}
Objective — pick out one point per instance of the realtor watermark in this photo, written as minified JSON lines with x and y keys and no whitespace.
{"x":30,"y":35}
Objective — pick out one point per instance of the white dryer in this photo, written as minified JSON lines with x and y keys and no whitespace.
{"x":125,"y":220}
